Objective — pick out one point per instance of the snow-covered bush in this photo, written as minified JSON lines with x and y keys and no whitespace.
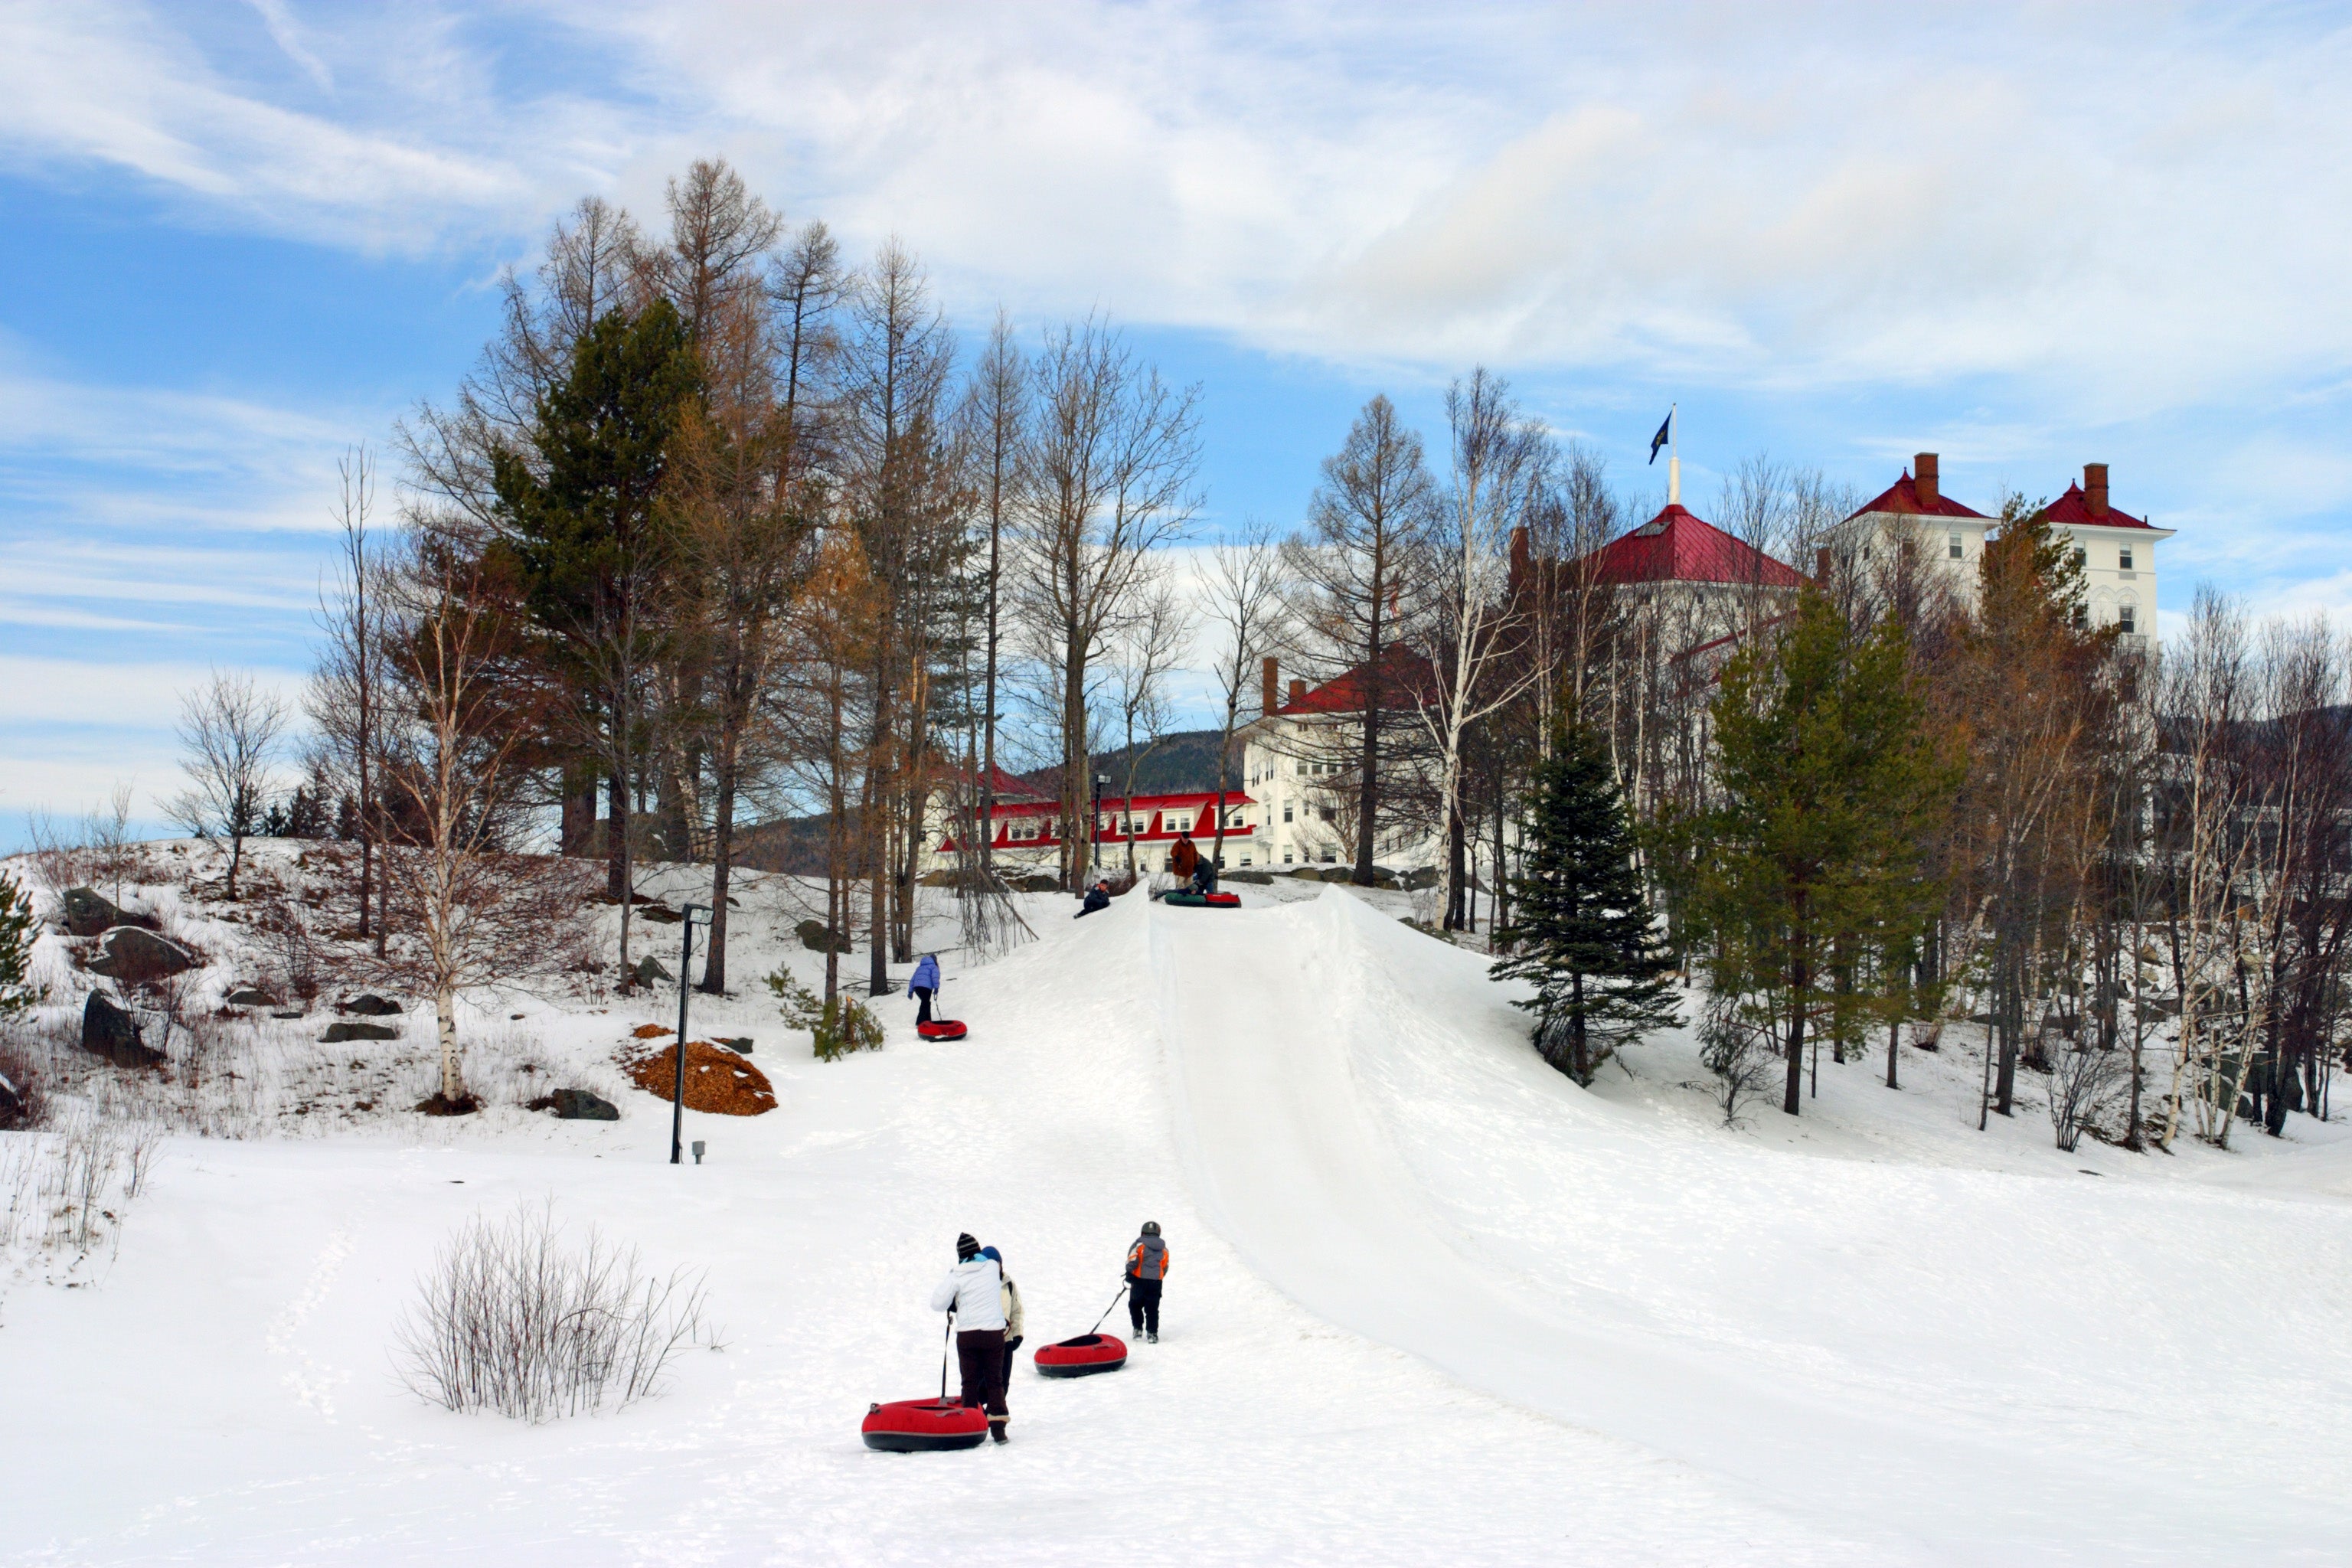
{"x":1740,"y":1054}
{"x":516,"y":1320}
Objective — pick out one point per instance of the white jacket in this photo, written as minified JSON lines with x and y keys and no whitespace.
{"x":971,"y":1290}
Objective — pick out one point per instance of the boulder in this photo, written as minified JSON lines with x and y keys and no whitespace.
{"x":337,"y":1034}
{"x":815,"y":936}
{"x":648,"y":970}
{"x":250,"y":996}
{"x":12,"y":1103}
{"x":660,"y":914}
{"x":132,"y":955}
{"x":87,"y":914}
{"x":1421,"y":876}
{"x":113,"y":1032}
{"x":739,"y":1043}
{"x":370,"y":1005}
{"x":580,"y":1105}
{"x":1038,"y":883}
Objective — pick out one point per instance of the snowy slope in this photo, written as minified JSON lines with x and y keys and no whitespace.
{"x":1431,"y":1303}
{"x":1969,"y":1364}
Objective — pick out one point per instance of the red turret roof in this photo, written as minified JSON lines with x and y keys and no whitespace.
{"x":1902,"y":498}
{"x":1678,"y":546}
{"x":2075,"y":507}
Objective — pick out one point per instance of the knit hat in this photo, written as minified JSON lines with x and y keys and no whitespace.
{"x":965,"y":1246}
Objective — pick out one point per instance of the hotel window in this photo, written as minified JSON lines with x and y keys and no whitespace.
{"x":2128,"y":620}
{"x":1329,"y":855}
{"x":2082,"y":618}
{"x":2123,"y":559}
{"x":1245,"y":859}
{"x":1285,"y":810}
{"x":1286,"y":857}
{"x":1952,"y":543}
{"x":2081,"y":556}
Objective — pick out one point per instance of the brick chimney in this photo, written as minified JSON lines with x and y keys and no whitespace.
{"x":1267,"y":686}
{"x":1297,"y":691}
{"x":2094,"y":488}
{"x":1928,"y":482}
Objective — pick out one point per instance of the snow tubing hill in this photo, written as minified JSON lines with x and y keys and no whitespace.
{"x":1202,"y":900}
{"x":924,"y":1425}
{"x":1081,"y":1357}
{"x":943,"y":1029}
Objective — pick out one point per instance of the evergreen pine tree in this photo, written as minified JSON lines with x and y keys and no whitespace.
{"x":18,"y":930}
{"x":1583,"y":932}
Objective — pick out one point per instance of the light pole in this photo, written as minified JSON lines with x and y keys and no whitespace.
{"x":684,"y":990}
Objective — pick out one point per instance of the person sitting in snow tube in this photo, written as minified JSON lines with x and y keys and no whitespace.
{"x":1098,"y":898}
{"x":924,"y":986}
{"x":1012,"y":1318}
{"x":1146,"y":1270}
{"x":975,"y":1292}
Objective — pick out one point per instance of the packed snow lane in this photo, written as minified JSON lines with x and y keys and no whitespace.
{"x":1361,"y":1117}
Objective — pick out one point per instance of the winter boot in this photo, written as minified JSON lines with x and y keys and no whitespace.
{"x":996,"y":1431}
{"x":1153,"y":1336}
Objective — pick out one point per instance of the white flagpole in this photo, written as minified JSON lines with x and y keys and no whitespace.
{"x":1674,"y":455}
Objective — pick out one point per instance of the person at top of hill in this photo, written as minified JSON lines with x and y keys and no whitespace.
{"x":1185,"y":858}
{"x":924,"y":986}
{"x":973,"y":1292}
{"x":1146,"y":1270}
{"x":1013,"y":1323}
{"x":1098,"y":898}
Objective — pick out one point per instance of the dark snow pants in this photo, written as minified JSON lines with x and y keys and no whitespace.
{"x":1012,"y":1349}
{"x":1143,"y":1304}
{"x":980,"y":1355}
{"x":923,"y":997}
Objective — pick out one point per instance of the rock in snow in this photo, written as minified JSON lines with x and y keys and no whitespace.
{"x":134,"y":956}
{"x":337,"y":1034}
{"x":370,"y":1005}
{"x":86,"y":914}
{"x":113,"y":1032}
{"x":580,"y":1105}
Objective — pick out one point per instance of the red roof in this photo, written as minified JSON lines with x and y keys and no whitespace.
{"x":2075,"y":507}
{"x":1902,"y":496}
{"x":1678,"y":546}
{"x":1403,"y":672}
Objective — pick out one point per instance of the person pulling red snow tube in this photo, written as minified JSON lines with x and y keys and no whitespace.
{"x":941,"y":1030}
{"x":1081,"y":1357}
{"x":924,"y":1427}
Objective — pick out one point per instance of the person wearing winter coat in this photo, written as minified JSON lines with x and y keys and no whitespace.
{"x":1013,"y":1323}
{"x":1185,"y":858}
{"x":973,"y":1292}
{"x":924,"y":986}
{"x":1146,"y":1270}
{"x":1098,"y":898}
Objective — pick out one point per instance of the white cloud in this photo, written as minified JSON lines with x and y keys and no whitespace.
{"x":2126,"y":211}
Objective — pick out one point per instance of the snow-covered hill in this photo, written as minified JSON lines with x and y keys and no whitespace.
{"x":1430,"y":1303}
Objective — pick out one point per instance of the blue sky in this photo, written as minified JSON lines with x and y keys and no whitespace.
{"x":238,"y":238}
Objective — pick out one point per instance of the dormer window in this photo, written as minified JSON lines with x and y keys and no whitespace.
{"x":2124,"y":558}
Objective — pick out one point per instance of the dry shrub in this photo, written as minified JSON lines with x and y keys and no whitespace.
{"x":24,"y":1102}
{"x":513,"y":1320}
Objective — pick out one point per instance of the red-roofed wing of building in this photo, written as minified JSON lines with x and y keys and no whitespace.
{"x":2077,"y":506}
{"x":1903,"y":498}
{"x":1405,"y":677}
{"x":1678,"y":546}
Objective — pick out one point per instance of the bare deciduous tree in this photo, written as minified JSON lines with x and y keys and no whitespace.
{"x":230,"y":729}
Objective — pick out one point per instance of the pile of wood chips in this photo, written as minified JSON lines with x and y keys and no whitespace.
{"x":716,"y":1081}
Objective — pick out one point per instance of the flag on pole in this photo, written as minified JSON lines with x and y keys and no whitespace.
{"x":1665,"y":432}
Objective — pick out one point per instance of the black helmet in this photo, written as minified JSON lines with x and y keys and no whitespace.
{"x":1151,"y":1227}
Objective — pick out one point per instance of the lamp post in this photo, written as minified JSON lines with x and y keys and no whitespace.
{"x":685,"y":991}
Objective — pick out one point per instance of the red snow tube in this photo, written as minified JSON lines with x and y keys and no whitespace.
{"x":1079,"y":1357}
{"x":924,"y":1425}
{"x":1202,"y":900}
{"x":941,"y":1030}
